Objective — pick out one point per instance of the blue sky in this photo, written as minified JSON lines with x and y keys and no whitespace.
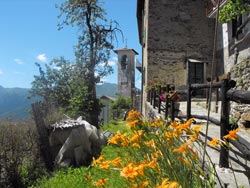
{"x":29,"y":34}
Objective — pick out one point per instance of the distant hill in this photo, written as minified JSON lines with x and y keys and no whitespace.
{"x":107,"y":89}
{"x":15,"y":104}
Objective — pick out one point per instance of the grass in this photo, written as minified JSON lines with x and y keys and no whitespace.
{"x":80,"y":177}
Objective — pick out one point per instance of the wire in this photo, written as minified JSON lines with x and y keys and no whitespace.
{"x":211,"y":83}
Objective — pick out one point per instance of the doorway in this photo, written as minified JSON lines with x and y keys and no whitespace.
{"x":196,"y":74}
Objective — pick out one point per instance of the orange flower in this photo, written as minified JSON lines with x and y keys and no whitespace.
{"x":168,"y":135}
{"x":197,"y":128}
{"x":182,"y":148}
{"x":185,"y":161}
{"x":150,"y":143}
{"x":152,"y":164}
{"x":135,"y":138}
{"x":166,"y":184}
{"x":132,"y":124}
{"x":175,"y":124}
{"x":158,"y":122}
{"x":232,"y":134}
{"x":173,"y":184}
{"x":113,"y":140}
{"x":163,"y":183}
{"x":186,"y":126}
{"x":101,"y":182}
{"x":193,"y":137}
{"x":214,"y":142}
{"x":133,"y":115}
{"x":136,"y":145}
{"x":105,"y":164}
{"x":99,"y":160}
{"x":143,"y":184}
{"x":129,"y":171}
{"x":116,"y":161}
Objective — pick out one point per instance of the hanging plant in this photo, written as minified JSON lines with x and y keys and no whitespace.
{"x":232,"y":9}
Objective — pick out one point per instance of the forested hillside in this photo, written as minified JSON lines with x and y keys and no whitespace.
{"x":14,"y":102}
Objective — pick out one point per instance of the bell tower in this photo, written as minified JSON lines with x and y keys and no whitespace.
{"x":126,"y":72}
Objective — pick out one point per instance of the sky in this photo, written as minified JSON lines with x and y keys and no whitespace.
{"x":29,"y":34}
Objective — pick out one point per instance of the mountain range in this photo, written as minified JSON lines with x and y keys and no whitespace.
{"x":14,"y":102}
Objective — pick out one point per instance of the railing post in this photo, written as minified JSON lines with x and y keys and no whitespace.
{"x":167,"y":101}
{"x":189,"y":95}
{"x":216,"y":97}
{"x":151,"y":95}
{"x":172,"y":106}
{"x":159,"y":100}
{"x":154,"y":98}
{"x":148,"y":95}
{"x":225,"y":127}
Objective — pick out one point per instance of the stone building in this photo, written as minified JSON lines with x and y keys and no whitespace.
{"x":105,"y":111}
{"x":233,"y":51}
{"x":177,"y":42}
{"x":126,"y":73}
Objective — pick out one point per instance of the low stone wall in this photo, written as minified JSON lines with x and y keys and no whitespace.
{"x":241,"y":74}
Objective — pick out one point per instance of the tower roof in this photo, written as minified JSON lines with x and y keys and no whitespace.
{"x":126,"y":49}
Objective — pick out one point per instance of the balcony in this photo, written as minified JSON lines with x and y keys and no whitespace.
{"x":212,"y":7}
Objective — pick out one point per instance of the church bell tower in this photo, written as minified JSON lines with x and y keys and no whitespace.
{"x":126,"y":72}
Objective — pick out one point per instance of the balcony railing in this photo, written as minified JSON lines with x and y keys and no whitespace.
{"x":212,"y":6}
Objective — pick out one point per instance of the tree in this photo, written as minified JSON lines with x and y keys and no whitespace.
{"x":94,"y":43}
{"x":61,"y":85}
{"x":232,"y":9}
{"x":121,"y":105}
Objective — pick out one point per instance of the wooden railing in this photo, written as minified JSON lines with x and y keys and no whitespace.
{"x":227,"y":94}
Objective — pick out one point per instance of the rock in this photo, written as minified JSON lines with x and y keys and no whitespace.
{"x":245,"y":116}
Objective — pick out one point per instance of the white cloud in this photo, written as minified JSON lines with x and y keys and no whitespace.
{"x":42,"y":57}
{"x":18,"y":61}
{"x":1,"y":72}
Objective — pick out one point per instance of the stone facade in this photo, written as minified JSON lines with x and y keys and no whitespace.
{"x":126,"y":72}
{"x":171,"y":32}
{"x":236,"y":61}
{"x":241,"y":74}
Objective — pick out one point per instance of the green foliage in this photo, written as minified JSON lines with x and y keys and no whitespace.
{"x":62,"y":84}
{"x":121,"y":105}
{"x":20,"y":162}
{"x":232,"y":9}
{"x":115,"y":126}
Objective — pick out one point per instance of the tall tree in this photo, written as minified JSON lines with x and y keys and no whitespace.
{"x":94,"y":43}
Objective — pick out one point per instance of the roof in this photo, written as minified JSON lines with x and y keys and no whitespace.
{"x":126,"y":49}
{"x":107,"y":97}
{"x":68,"y":123}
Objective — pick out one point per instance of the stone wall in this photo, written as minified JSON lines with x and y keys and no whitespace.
{"x":241,"y":74}
{"x":177,"y":30}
